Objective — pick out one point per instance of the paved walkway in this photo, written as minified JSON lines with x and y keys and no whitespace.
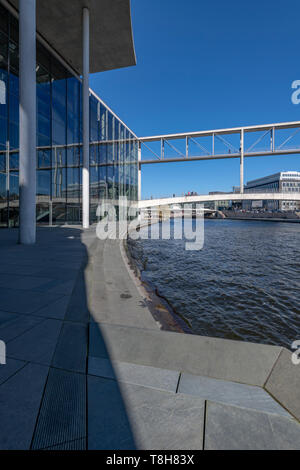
{"x":89,"y":367}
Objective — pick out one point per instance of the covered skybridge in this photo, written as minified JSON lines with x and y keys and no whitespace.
{"x":236,"y":142}
{"x":216,"y":197}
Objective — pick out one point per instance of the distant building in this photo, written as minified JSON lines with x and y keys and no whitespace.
{"x":236,"y":189}
{"x":220,"y":204}
{"x":284,"y":181}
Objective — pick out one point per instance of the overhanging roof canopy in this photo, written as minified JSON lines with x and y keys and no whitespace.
{"x":59,"y":22}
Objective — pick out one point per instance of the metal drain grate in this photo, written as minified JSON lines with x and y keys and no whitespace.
{"x":62,"y":417}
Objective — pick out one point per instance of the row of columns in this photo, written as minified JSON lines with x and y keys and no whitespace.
{"x":27,"y":126}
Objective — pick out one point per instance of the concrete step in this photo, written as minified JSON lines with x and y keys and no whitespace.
{"x":234,"y":361}
{"x":230,"y":427}
{"x":231,"y":393}
{"x":227,"y":392}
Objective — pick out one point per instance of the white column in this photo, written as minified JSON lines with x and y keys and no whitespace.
{"x":86,"y":118}
{"x":27,"y":129}
{"x":139,"y":173}
{"x":242,"y":163}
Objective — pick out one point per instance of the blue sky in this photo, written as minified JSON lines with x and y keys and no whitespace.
{"x":207,"y":65}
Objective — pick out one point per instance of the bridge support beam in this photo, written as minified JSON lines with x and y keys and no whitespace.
{"x":242,"y":162}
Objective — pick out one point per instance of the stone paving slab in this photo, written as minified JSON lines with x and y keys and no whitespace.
{"x":10,"y":368}
{"x":71,"y":349}
{"x":20,"y":398}
{"x":78,"y":309}
{"x":65,"y":274}
{"x":284,"y":383}
{"x":13,"y":325}
{"x":25,"y":282}
{"x":162,"y":420}
{"x":235,"y":361}
{"x":142,"y":418}
{"x":108,"y":424}
{"x":25,"y":301}
{"x":97,"y":344}
{"x":36,"y":345}
{"x":78,"y":444}
{"x":146,"y":376}
{"x":63,"y":412}
{"x":55,"y":310}
{"x":246,"y":396}
{"x":233,"y":428}
{"x":57,"y":286}
{"x":18,"y":269}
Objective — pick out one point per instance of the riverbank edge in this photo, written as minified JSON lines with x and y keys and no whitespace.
{"x":264,"y":219}
{"x":159,"y":307}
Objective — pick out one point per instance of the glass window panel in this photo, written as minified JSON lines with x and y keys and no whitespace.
{"x":110,"y":181}
{"x":93,"y":154}
{"x":58,"y":213}
{"x":59,"y":184}
{"x":13,"y":186}
{"x":102,"y":153}
{"x":3,"y":201}
{"x":73,"y":213}
{"x":94,"y":191}
{"x":59,"y":116}
{"x":43,"y":183}
{"x":116,"y":140}
{"x":103,"y":122}
{"x":42,"y":213}
{"x":3,"y":75}
{"x":44,"y":158}
{"x":2,"y":186}
{"x":73,"y":156}
{"x":13,"y":64}
{"x":59,"y":157}
{"x":2,"y":162}
{"x":14,"y":28}
{"x":3,"y":133}
{"x":73,"y":187}
{"x":14,"y":160}
{"x":94,"y":125}
{"x":3,"y":19}
{"x":109,"y":126}
{"x":73,"y":111}
{"x":13,"y":135}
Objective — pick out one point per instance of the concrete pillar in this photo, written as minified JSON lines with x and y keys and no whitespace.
{"x":86,"y":118}
{"x":139,"y":173}
{"x":242,"y":163}
{"x":27,"y":127}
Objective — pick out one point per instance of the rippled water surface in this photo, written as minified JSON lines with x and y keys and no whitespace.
{"x":244,"y":284}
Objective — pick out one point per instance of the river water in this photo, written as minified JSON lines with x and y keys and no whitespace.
{"x":244,"y":284}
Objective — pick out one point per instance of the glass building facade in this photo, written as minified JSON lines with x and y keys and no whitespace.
{"x":113,"y":147}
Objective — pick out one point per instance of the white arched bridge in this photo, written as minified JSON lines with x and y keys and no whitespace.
{"x":284,"y":196}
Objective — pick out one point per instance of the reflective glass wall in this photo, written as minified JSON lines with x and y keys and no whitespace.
{"x":113,"y":149}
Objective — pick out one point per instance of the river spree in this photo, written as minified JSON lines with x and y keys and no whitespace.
{"x":244,"y":284}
